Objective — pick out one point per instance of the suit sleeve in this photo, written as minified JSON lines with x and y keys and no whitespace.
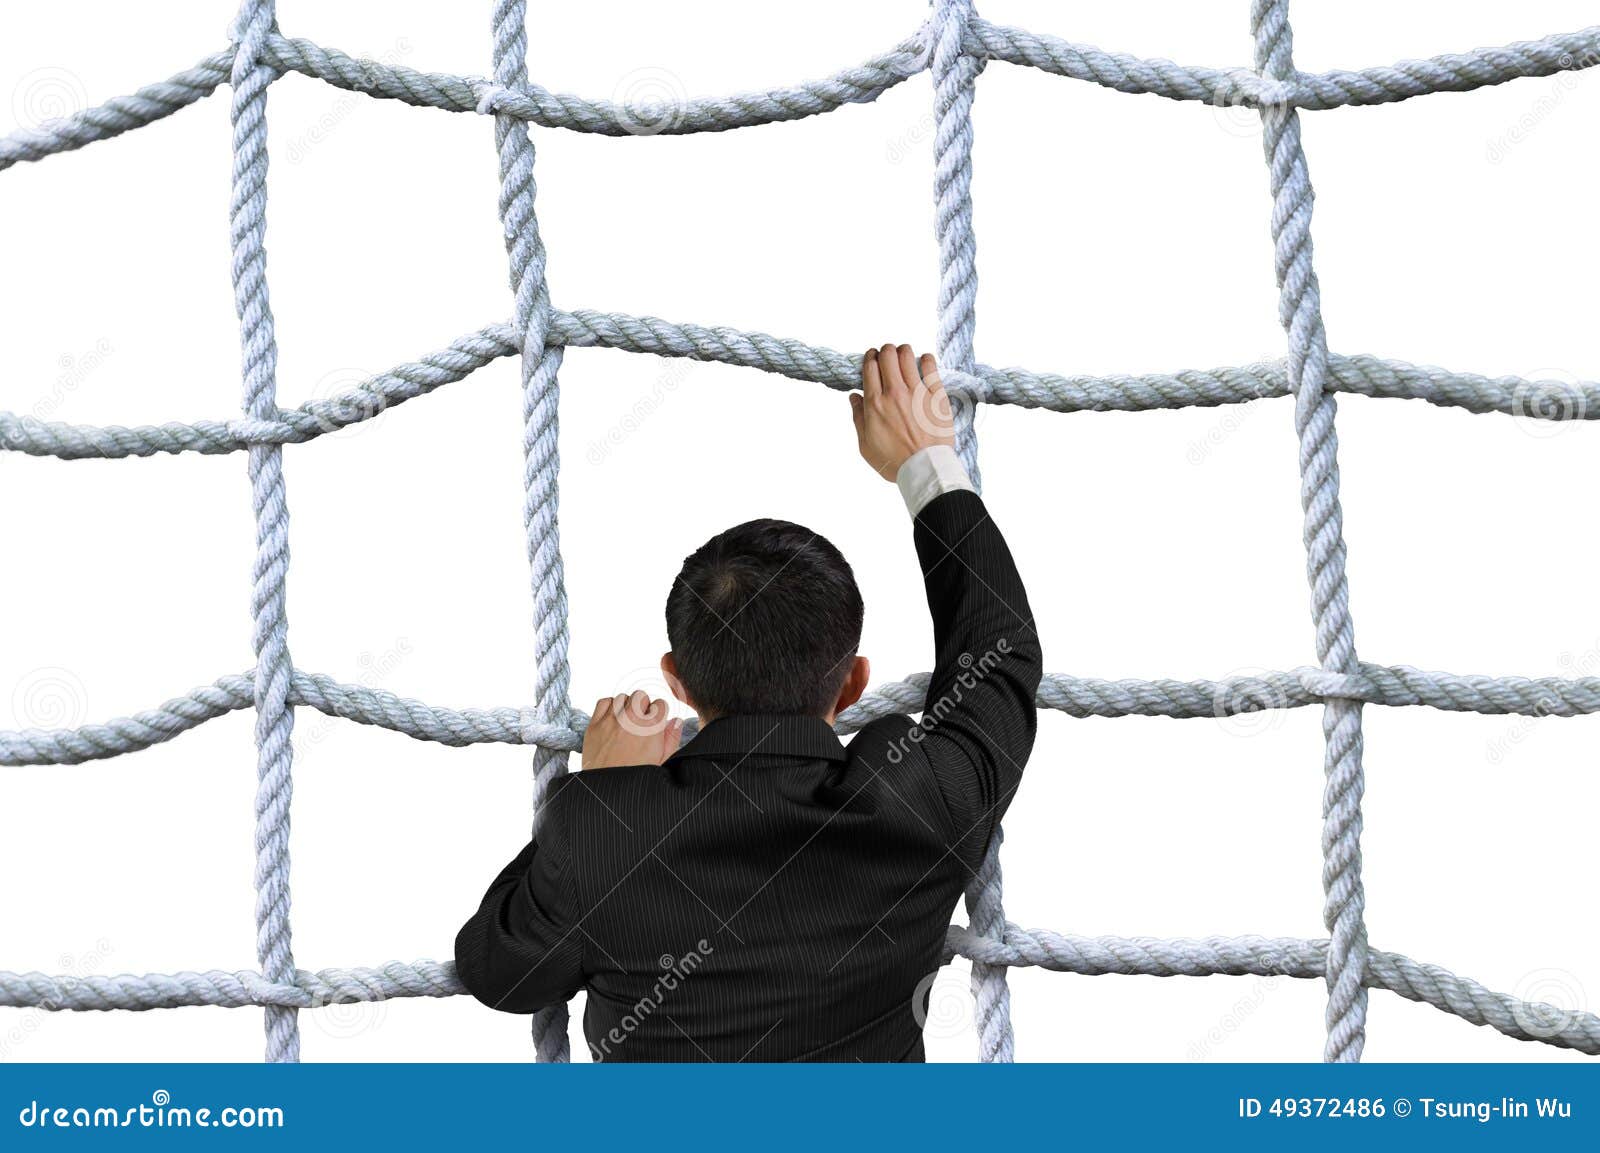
{"x":522,"y":950}
{"x":979,"y":722}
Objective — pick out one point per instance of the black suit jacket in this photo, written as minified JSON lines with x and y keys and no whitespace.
{"x":769,"y":893}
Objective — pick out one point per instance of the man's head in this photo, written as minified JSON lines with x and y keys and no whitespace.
{"x":765,"y":618}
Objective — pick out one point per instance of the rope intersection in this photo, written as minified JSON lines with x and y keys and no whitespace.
{"x":954,"y":46}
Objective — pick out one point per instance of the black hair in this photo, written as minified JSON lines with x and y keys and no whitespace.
{"x":764,"y":618}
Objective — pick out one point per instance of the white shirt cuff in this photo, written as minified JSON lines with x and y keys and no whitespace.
{"x":928,"y":473}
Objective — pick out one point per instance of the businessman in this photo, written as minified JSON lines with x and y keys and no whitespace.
{"x":766,"y":892}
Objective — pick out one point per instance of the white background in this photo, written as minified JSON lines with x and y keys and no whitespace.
{"x":1115,"y":233}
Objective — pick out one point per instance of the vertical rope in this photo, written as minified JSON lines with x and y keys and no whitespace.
{"x":954,"y":78}
{"x":1300,"y":310}
{"x":247,"y":211}
{"x":539,"y":438}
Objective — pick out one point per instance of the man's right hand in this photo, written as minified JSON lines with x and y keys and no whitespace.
{"x":902,"y":408}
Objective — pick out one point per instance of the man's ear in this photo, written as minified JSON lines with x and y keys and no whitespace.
{"x":855,"y":683}
{"x":669,"y":670}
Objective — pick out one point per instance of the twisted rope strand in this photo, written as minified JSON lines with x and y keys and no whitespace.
{"x":273,"y":672}
{"x":954,"y":45}
{"x":1090,"y":956}
{"x":1300,"y":310}
{"x":541,"y":467}
{"x":954,"y":80}
{"x":1399,"y":686}
{"x":1547,"y":399}
{"x":1453,"y":72}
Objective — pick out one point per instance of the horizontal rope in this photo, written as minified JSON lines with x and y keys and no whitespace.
{"x":1384,"y":84}
{"x":1360,"y":375}
{"x":1094,"y":956}
{"x":1454,"y":72}
{"x":1076,"y":696}
{"x":229,"y":694}
{"x":228,"y":990}
{"x":266,"y":54}
{"x":369,"y":399}
{"x":1281,"y":956}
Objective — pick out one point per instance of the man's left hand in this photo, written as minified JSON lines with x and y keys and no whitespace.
{"x":630,"y":729}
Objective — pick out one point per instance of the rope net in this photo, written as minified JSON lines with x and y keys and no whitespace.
{"x":954,"y":45}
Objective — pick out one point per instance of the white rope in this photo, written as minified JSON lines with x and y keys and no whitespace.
{"x":953,"y":46}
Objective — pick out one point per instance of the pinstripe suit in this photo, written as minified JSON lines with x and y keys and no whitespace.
{"x":770,"y":893}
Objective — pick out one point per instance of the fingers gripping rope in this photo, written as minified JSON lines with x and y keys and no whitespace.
{"x":540,"y":362}
{"x":1300,"y":309}
{"x":274,"y":717}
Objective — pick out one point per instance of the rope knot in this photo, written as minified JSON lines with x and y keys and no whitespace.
{"x":1276,"y":94}
{"x":965,"y":384}
{"x":1331,"y":685}
{"x":491,"y":96}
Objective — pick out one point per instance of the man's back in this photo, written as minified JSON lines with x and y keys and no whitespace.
{"x":767,"y":893}
{"x":798,"y":897}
